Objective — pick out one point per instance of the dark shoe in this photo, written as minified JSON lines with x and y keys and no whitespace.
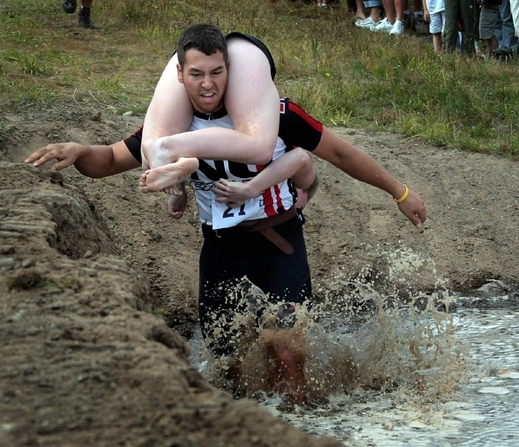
{"x":84,"y":18}
{"x":502,"y":55}
{"x":69,"y":6}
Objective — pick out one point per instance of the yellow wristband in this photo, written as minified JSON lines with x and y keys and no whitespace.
{"x":401,"y":199}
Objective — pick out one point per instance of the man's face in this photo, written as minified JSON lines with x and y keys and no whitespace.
{"x":205,"y":80}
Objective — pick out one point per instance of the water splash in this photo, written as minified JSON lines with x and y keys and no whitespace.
{"x":422,"y":376}
{"x":362,"y":341}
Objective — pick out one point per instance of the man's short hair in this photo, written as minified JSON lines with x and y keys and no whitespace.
{"x":202,"y":37}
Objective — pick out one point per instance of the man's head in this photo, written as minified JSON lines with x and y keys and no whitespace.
{"x":202,"y":68}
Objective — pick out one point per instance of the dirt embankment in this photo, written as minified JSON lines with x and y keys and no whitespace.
{"x":84,"y":263}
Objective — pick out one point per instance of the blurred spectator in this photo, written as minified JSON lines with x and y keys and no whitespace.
{"x":514,"y":9}
{"x":507,"y":41}
{"x":84,"y":20}
{"x":459,"y":11}
{"x":359,"y":10}
{"x":488,"y":14}
{"x":434,"y":13}
{"x":418,"y":23}
{"x":374,"y":12}
{"x":394,"y":21}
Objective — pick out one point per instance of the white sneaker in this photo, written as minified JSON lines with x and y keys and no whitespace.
{"x":398,"y":28}
{"x":366,"y":23}
{"x":383,"y":25}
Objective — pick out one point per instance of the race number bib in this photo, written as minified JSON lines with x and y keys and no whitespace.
{"x":225,"y":216}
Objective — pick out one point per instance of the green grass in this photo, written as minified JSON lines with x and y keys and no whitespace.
{"x":341,"y":74}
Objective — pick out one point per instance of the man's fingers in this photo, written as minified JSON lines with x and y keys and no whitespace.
{"x":218,"y":190}
{"x":223,"y":182}
{"x":221,"y":185}
{"x":415,"y":218}
{"x":62,"y":162}
{"x":422,"y":216}
{"x":32,"y":157}
{"x":39,"y":158}
{"x":65,"y":157}
{"x":176,"y":214}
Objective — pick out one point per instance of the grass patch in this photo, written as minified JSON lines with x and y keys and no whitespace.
{"x":341,"y":74}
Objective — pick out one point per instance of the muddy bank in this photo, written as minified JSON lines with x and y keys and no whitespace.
{"x":84,"y":360}
{"x":94,"y":274}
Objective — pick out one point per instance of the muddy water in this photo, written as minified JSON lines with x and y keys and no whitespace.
{"x":424,"y":377}
{"x":481,"y":408}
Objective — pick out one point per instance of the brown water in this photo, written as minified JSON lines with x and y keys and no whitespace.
{"x":472,"y":400}
{"x":424,"y":377}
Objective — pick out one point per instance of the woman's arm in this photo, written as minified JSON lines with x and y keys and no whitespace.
{"x":297,"y":164}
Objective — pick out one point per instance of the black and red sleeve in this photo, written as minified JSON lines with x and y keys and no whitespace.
{"x":297,"y":128}
{"x":133,"y":143}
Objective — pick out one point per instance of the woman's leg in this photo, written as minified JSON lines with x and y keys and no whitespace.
{"x":251,"y":99}
{"x":170,"y":111}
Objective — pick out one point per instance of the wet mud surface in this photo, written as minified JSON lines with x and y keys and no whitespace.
{"x":99,"y":285}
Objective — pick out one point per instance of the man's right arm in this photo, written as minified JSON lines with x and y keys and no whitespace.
{"x":360,"y":166}
{"x":91,"y":161}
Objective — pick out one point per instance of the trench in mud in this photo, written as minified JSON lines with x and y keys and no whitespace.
{"x":424,"y":376}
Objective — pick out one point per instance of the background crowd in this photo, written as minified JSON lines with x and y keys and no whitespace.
{"x":484,"y":28}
